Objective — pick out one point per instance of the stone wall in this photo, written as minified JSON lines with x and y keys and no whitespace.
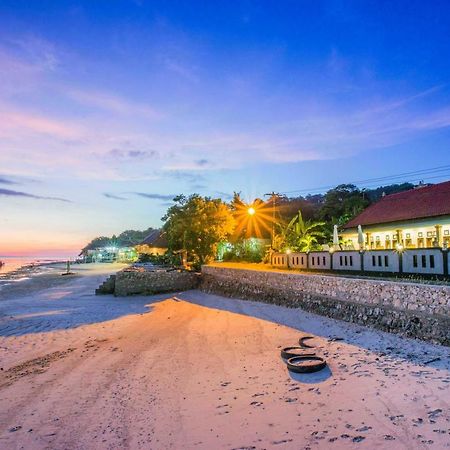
{"x":415,"y":310}
{"x":148,"y":283}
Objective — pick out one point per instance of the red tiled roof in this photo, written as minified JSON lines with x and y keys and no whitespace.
{"x":418,"y":203}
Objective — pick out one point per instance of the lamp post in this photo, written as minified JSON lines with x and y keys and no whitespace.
{"x":273,"y":195}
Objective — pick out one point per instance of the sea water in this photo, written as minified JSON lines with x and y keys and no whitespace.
{"x":17,"y":268}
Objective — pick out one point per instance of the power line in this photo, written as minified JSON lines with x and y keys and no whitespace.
{"x":369,"y":181}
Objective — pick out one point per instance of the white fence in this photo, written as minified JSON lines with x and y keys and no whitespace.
{"x":430,"y":261}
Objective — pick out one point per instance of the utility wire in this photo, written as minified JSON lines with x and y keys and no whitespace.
{"x":370,"y":181}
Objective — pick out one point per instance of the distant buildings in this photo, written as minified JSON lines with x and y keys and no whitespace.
{"x":154,"y":244}
{"x":418,"y":218}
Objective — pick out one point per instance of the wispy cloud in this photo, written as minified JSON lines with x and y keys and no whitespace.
{"x":10,"y":193}
{"x":153,"y":196}
{"x":4,"y":180}
{"x":118,"y":153}
{"x":13,"y":120}
{"x":113,"y":103}
{"x":113,"y":196}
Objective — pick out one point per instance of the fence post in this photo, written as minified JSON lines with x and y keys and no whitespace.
{"x":445,"y":261}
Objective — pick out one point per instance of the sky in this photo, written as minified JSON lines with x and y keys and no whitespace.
{"x":110,"y":108}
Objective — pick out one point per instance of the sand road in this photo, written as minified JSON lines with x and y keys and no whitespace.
{"x":201,"y":371}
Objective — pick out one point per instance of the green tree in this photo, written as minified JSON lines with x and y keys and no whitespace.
{"x":300,"y":235}
{"x":198,"y":224}
{"x":342,"y":203}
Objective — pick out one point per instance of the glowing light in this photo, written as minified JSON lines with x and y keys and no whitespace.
{"x":253,"y":219}
{"x":288,"y":251}
{"x":399,"y":247}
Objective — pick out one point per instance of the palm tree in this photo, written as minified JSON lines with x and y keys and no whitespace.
{"x":303,"y":235}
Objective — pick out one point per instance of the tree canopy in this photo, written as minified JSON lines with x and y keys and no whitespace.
{"x":127,"y":238}
{"x":198,"y":224}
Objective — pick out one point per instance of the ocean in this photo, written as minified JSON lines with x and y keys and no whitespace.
{"x":16,"y":262}
{"x":35,"y":266}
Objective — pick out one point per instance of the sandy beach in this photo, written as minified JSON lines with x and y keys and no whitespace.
{"x":191,"y":370}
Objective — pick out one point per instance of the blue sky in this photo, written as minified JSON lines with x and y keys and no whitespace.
{"x":109,"y":108}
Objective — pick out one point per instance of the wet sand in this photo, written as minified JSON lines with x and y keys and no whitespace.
{"x":192,"y":370}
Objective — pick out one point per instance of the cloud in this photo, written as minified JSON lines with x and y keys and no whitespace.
{"x":10,"y":193}
{"x":4,"y":180}
{"x":153,"y":196}
{"x":202,"y":162}
{"x":113,"y":196}
{"x":13,"y":120}
{"x":224,"y":195}
{"x":112,"y":103}
{"x":132,"y":154}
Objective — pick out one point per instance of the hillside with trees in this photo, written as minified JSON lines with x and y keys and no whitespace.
{"x":127,"y":238}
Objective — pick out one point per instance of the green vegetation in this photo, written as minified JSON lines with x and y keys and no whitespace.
{"x":301,"y":235}
{"x":205,"y":227}
{"x":198,"y":224}
{"x":128,"y":238}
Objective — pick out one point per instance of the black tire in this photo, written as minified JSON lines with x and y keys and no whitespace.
{"x":291,"y":352}
{"x":302,"y":340}
{"x":306,"y":364}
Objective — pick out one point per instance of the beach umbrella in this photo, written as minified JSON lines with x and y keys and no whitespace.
{"x":361,"y":239}
{"x":335,"y":237}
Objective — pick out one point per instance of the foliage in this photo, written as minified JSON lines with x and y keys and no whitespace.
{"x":300,"y":235}
{"x":197,"y":224}
{"x":342,"y":202}
{"x":161,"y":260}
{"x":128,"y":238}
{"x":246,"y":250}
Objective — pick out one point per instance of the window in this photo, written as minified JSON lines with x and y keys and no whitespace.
{"x":379,"y":260}
{"x":424,"y":261}
{"x":408,"y":235}
{"x":386,"y":260}
{"x":313,"y":260}
{"x":340,"y":260}
{"x":323,"y":260}
{"x":351,"y":260}
{"x":414,"y":260}
{"x":374,"y":263}
{"x":303,"y":261}
{"x":432,"y":261}
{"x":345,"y":259}
{"x":446,"y":232}
{"x":429,"y":234}
{"x":420,"y":234}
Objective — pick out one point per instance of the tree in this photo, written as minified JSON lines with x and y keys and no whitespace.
{"x":198,"y":224}
{"x":301,"y":235}
{"x":342,"y":203}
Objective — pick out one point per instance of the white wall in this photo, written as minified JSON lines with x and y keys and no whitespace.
{"x":298,"y":260}
{"x":319,"y":260}
{"x":279,"y":260}
{"x":423,"y":260}
{"x":350,"y":260}
{"x":381,"y":261}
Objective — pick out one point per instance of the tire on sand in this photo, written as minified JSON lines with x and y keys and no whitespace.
{"x":291,"y":352}
{"x":302,"y":340}
{"x":306,"y":364}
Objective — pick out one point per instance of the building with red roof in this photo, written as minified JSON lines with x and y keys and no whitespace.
{"x":418,"y":218}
